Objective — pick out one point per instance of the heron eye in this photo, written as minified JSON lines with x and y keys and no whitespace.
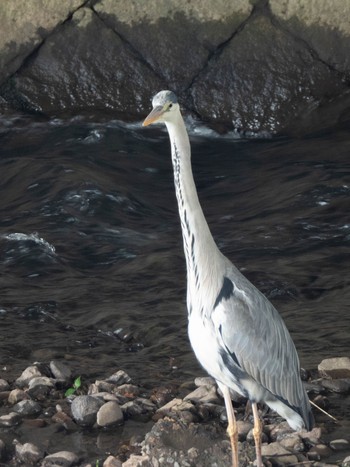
{"x":170,"y":106}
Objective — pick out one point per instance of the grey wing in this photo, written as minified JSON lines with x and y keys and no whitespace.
{"x":250,"y":329}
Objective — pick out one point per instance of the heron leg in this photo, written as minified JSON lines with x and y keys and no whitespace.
{"x":232,"y":430}
{"x":257,"y":430}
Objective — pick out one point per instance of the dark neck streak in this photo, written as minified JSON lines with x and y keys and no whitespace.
{"x":200,"y":249}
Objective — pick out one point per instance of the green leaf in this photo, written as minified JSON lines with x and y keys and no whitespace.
{"x":77,"y":383}
{"x":69,"y":392}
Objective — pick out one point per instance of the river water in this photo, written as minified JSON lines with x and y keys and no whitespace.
{"x":92,"y":268}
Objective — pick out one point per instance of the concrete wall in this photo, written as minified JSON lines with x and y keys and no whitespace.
{"x":263,"y":65}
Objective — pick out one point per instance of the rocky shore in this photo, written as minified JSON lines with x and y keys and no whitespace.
{"x":181,"y":424}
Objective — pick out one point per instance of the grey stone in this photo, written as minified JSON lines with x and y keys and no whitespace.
{"x":2,"y":449}
{"x":27,"y":407}
{"x":60,"y":371}
{"x":119,"y":378}
{"x":84,"y":409}
{"x":341,"y":385}
{"x":243,"y":427}
{"x":339,"y":444}
{"x":40,"y":380}
{"x":281,"y":456}
{"x":337,"y":367}
{"x":11,"y":419}
{"x":138,"y":408}
{"x":112,"y":461}
{"x":28,"y":374}
{"x":28,"y":453}
{"x":176,"y":405}
{"x":17,"y":395}
{"x":203,"y":394}
{"x":138,"y":461}
{"x":109,"y":414}
{"x":204,"y":381}
{"x":318,"y":452}
{"x":293,"y":442}
{"x":4,"y":385}
{"x":61,"y":458}
{"x":129,"y":390}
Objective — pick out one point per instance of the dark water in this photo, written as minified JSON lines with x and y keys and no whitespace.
{"x":92,"y":269}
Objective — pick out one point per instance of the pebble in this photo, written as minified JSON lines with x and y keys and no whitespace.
{"x":64,"y":420}
{"x":61,"y":458}
{"x":339,"y":444}
{"x":28,"y":453}
{"x":337,"y":367}
{"x":341,"y":386}
{"x":243,"y":427}
{"x":129,"y":390}
{"x":11,"y":419}
{"x":176,"y":405}
{"x":118,"y":378}
{"x":112,"y":462}
{"x":280,"y":455}
{"x":203,"y":394}
{"x":27,"y":407}
{"x":40,"y":381}
{"x":138,"y":461}
{"x":4,"y":385}
{"x":318,"y":452}
{"x":17,"y":395}
{"x":60,"y":371}
{"x":84,"y":409}
{"x":110,"y":414}
{"x":204,"y":381}
{"x":293,"y":442}
{"x":28,"y":374}
{"x":140,"y":409}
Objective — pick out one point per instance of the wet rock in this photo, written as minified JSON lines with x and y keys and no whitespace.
{"x":109,"y":414}
{"x":4,"y":395}
{"x":341,"y":385}
{"x":339,"y":444}
{"x":27,"y":408}
{"x":250,"y":437}
{"x":40,"y":381}
{"x":101,"y":386}
{"x":112,"y":462}
{"x":60,"y":371}
{"x":84,"y":409}
{"x":203,"y":394}
{"x":243,"y":428}
{"x":138,"y":461}
{"x":293,"y":442}
{"x":160,"y":396}
{"x":11,"y":419}
{"x":27,"y":375}
{"x":280,"y":431}
{"x":279,"y":455}
{"x":4,"y":385}
{"x":63,"y":419}
{"x":17,"y":395}
{"x":318,"y":452}
{"x":119,"y":378}
{"x":140,"y":408}
{"x":129,"y":390}
{"x":28,"y":453}
{"x":204,"y":381}
{"x":176,"y":405}
{"x":346,"y":462}
{"x":338,"y":367}
{"x":61,"y":458}
{"x":312,"y":437}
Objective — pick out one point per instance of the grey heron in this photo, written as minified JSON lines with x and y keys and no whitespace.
{"x":237,"y":335}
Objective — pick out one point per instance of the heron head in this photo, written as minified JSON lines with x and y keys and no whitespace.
{"x":164,"y":106}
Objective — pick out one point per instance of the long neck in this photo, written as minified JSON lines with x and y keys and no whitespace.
{"x":201,"y":252}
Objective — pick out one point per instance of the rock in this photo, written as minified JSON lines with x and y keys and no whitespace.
{"x":138,"y":461}
{"x":313,"y":436}
{"x":109,"y":414}
{"x":129,"y":390}
{"x":250,"y":437}
{"x":17,"y":395}
{"x":119,"y":378}
{"x":204,"y":381}
{"x":280,"y":431}
{"x":339,"y":444}
{"x":318,"y":452}
{"x":40,"y":381}
{"x":346,"y":462}
{"x":4,"y":385}
{"x":28,"y":453}
{"x":101,"y":386}
{"x":140,"y":408}
{"x":341,"y":385}
{"x":61,"y":458}
{"x":203,"y":394}
{"x":39,"y":392}
{"x":28,"y":374}
{"x":337,"y":367}
{"x":161,"y":395}
{"x":112,"y":462}
{"x":279,"y":455}
{"x":243,"y":428}
{"x":11,"y":419}
{"x":176,"y":405}
{"x":60,"y":371}
{"x":84,"y":409}
{"x":63,"y":419}
{"x":293,"y":442}
{"x":27,"y":407}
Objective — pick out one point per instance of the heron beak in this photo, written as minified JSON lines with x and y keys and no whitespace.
{"x":155,"y":115}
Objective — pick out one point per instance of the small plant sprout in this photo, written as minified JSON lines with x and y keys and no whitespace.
{"x":74,"y":388}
